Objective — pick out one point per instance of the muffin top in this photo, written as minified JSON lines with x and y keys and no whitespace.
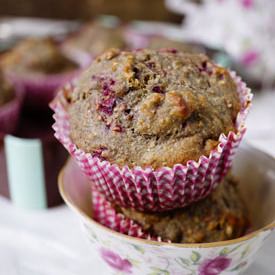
{"x":159,"y":42}
{"x":152,"y":108}
{"x":220,"y":216}
{"x":6,"y":90}
{"x":95,"y":38}
{"x":37,"y":55}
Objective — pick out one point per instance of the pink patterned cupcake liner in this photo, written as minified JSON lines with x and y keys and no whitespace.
{"x":40,"y":90}
{"x":146,"y":189}
{"x":105,"y":214}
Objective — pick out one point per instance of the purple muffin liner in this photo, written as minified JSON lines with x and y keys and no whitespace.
{"x":9,"y":113}
{"x":105,"y":214}
{"x":146,"y":189}
{"x":40,"y":89}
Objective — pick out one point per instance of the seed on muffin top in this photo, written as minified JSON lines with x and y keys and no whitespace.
{"x":37,"y":55}
{"x":152,"y":107}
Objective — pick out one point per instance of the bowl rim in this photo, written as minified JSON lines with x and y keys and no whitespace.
{"x":128,"y":238}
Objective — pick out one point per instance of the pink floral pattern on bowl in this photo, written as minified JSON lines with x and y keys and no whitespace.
{"x":129,"y":257}
{"x":115,"y":261}
{"x":214,"y":266}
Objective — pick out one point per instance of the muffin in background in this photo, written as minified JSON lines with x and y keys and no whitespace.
{"x":38,"y":66}
{"x":152,"y":108}
{"x":93,"y":39}
{"x":7,"y":92}
{"x":161,"y":42}
{"x":10,"y":105}
{"x":220,"y":216}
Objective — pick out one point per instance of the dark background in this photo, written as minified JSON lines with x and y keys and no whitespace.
{"x":85,"y":9}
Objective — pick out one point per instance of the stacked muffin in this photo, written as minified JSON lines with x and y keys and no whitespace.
{"x":155,"y":131}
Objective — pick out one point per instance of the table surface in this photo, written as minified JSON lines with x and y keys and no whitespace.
{"x":49,"y":242}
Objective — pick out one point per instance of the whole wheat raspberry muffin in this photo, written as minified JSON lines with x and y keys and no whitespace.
{"x":152,"y":107}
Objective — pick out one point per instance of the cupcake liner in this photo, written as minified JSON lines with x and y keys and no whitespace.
{"x":105,"y":214}
{"x":164,"y":188}
{"x":9,"y":114}
{"x":40,"y":89}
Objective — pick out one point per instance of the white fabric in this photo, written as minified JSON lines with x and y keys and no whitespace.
{"x":51,"y":242}
{"x":238,"y":26}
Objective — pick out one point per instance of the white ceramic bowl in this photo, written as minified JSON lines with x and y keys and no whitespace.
{"x":129,"y":255}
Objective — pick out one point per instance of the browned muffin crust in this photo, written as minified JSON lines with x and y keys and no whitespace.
{"x":96,"y":38}
{"x":6,"y":90}
{"x":37,"y":55}
{"x":159,"y":42}
{"x":152,"y":108}
{"x":221,"y":216}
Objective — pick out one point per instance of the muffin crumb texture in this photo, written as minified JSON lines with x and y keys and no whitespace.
{"x":152,"y":108}
{"x":220,"y":216}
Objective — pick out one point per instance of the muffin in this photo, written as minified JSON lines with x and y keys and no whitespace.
{"x":153,"y":129}
{"x":152,"y":108}
{"x":38,"y":66}
{"x":6,"y":91}
{"x":10,"y":105}
{"x":219,"y":217}
{"x":93,"y":39}
{"x":160,"y":42}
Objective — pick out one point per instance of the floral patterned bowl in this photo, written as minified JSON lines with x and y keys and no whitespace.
{"x":129,"y":255}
